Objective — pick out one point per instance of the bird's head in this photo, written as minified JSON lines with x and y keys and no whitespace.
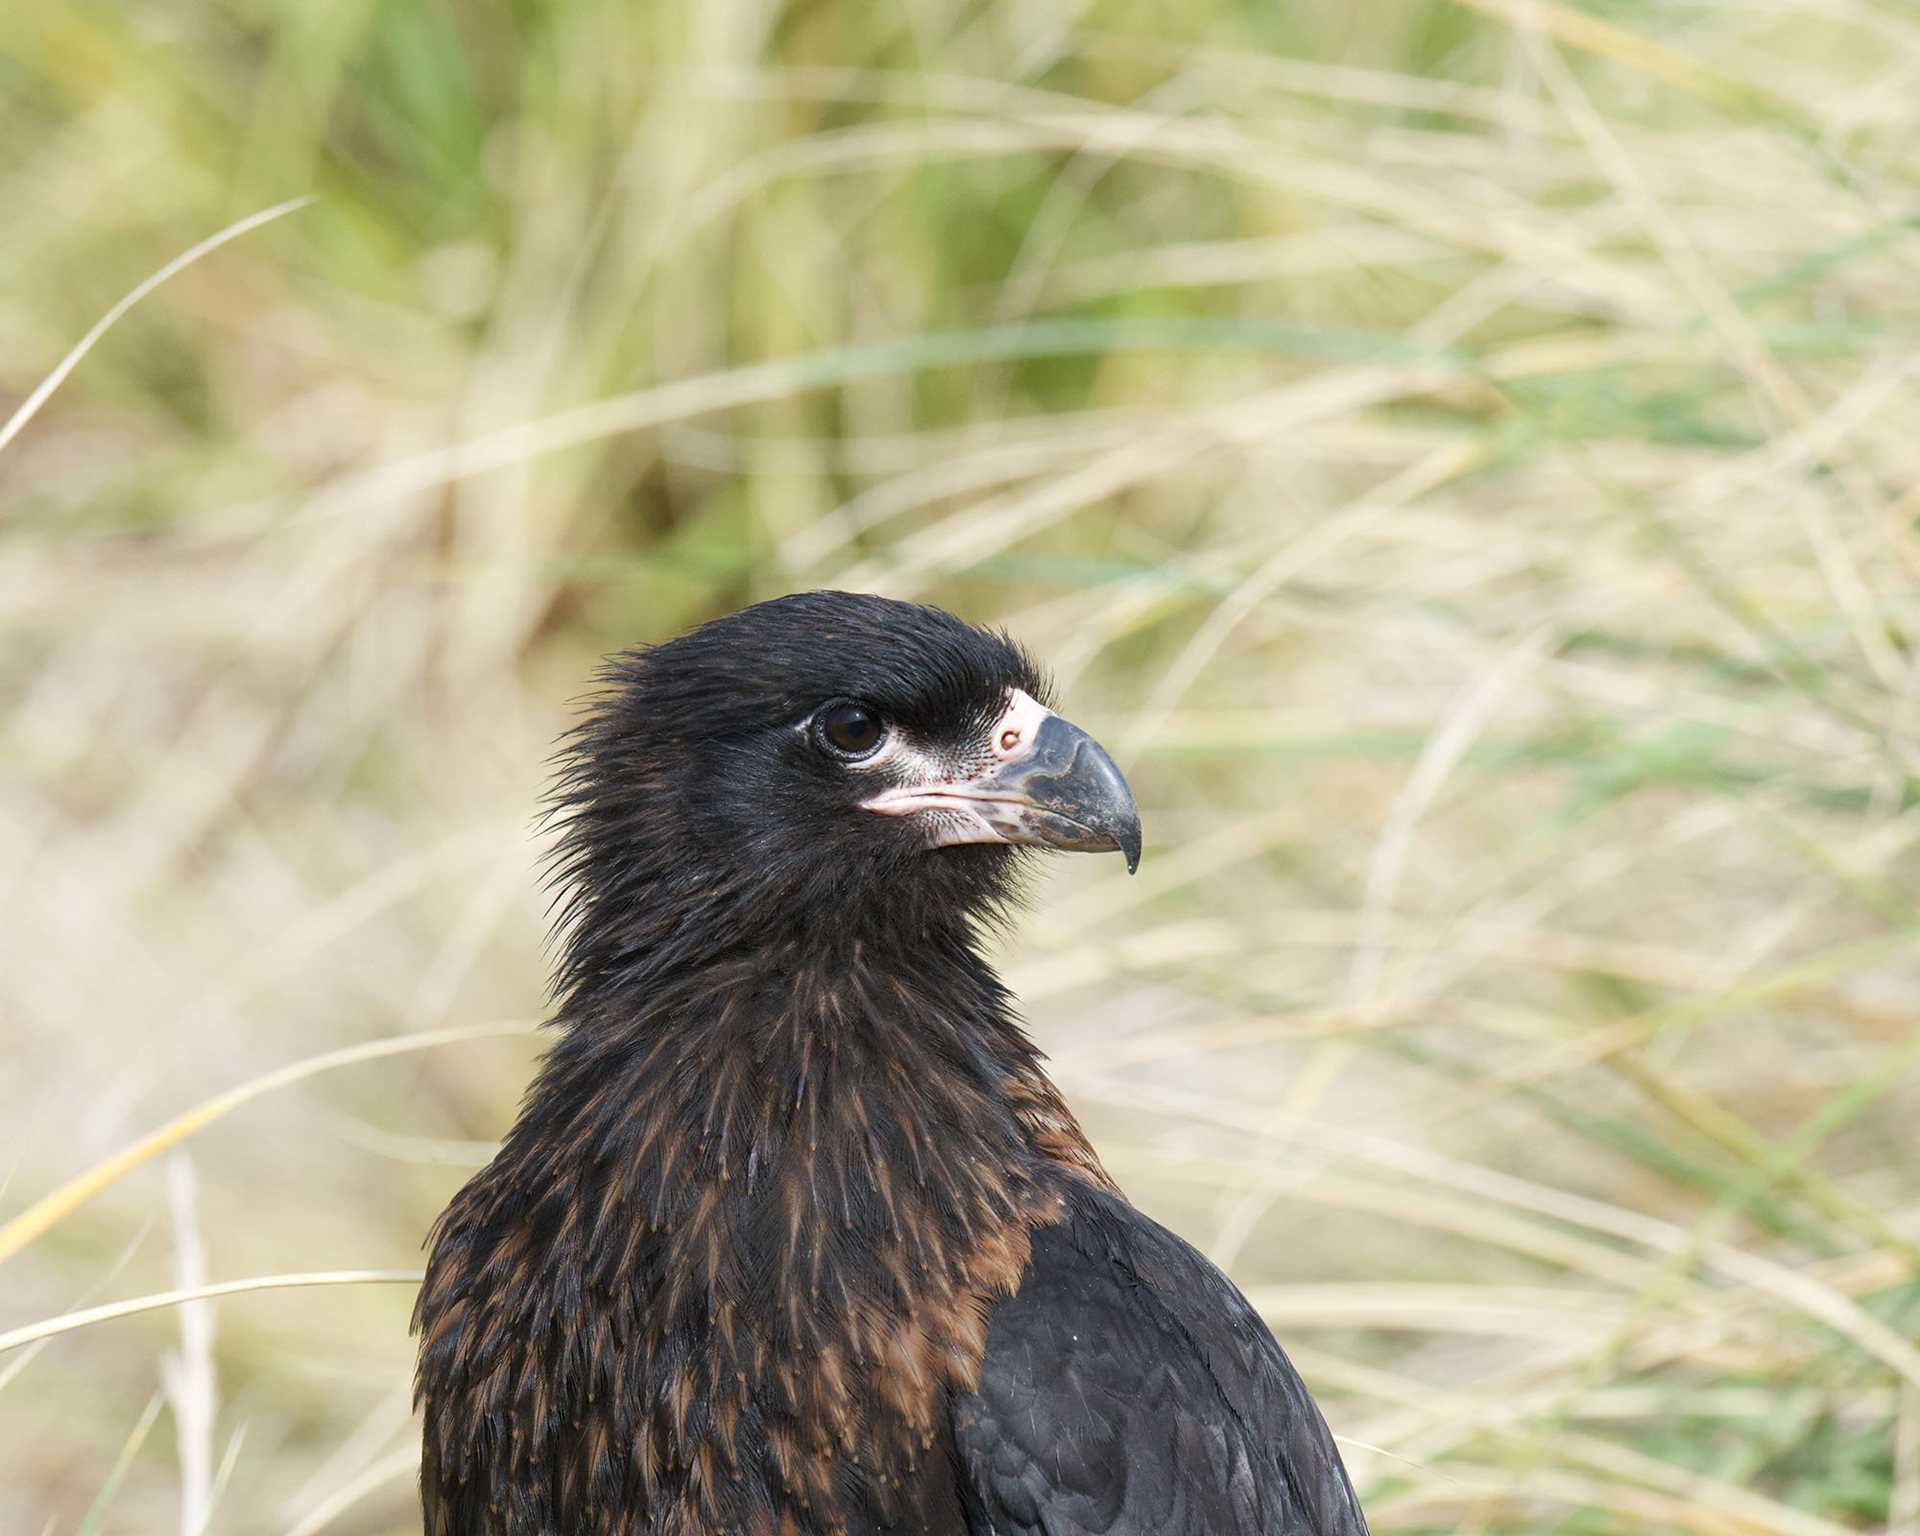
{"x":819,"y":758}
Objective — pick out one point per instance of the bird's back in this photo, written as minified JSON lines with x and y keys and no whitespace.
{"x":1128,"y":1389}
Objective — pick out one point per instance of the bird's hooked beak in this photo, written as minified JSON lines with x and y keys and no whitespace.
{"x":1042,"y":781}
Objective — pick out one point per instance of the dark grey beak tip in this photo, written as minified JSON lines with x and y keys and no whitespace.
{"x":1071,"y":776}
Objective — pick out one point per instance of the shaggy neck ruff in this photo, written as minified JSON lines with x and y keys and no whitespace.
{"x":749,"y":1226}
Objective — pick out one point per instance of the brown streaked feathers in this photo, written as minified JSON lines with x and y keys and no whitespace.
{"x":792,"y":1236}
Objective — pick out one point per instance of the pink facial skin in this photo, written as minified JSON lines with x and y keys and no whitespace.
{"x":1037,"y":780}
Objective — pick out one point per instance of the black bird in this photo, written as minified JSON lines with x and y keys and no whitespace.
{"x":793,"y":1236}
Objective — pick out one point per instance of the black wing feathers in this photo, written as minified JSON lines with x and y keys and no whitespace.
{"x":1129,"y":1390}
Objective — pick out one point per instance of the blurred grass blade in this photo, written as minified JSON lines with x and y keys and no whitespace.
{"x":1604,"y":40}
{"x":116,"y":1474}
{"x":401,"y":1463}
{"x":188,"y":1376}
{"x":223,"y":1474}
{"x":69,"y":1322}
{"x":53,"y":1208}
{"x":16,"y":423}
{"x":753,"y":383}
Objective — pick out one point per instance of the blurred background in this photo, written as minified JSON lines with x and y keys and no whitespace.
{"x":1463,"y":456}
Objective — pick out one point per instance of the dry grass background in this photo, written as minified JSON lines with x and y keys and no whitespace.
{"x":1463,"y":458}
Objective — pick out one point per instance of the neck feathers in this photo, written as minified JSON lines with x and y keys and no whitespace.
{"x":741,"y":1237}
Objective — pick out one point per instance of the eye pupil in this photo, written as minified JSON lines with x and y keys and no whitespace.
{"x":851,"y":729}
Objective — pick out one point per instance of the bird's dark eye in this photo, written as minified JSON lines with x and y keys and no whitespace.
{"x":848,"y":730}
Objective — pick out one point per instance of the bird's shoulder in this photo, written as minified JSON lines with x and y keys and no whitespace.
{"x":1128,"y":1387}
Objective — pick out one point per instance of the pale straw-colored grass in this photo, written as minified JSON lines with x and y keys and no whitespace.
{"x":1463,"y":457}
